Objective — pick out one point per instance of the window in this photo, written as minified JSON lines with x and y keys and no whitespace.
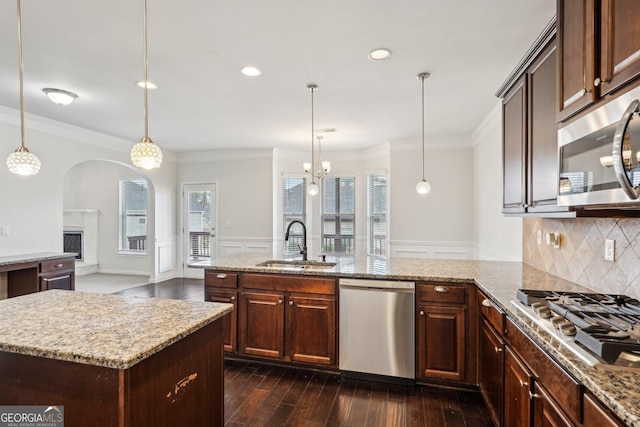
{"x":133,"y":215}
{"x":294,"y":208}
{"x":377,"y":213}
{"x":338,"y":214}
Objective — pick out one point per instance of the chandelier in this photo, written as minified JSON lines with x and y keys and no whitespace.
{"x":325,"y":166}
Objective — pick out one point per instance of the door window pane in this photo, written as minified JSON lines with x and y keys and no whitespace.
{"x":294,"y":208}
{"x":338,"y":214}
{"x":133,"y":215}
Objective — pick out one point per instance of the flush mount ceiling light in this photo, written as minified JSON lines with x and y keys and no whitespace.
{"x":22,"y":161}
{"x":149,"y":85}
{"x":423,"y":187}
{"x":59,"y":96}
{"x":379,"y":54}
{"x":145,"y":154}
{"x":250,"y":71}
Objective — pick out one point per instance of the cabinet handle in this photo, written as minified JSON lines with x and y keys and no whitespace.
{"x":421,"y":312}
{"x":279,"y":301}
{"x":59,"y":265}
{"x":232,"y":298}
{"x":487,"y":303}
{"x":497,"y":349}
{"x":523,"y":383}
{"x":290,"y":302}
{"x":441,"y":289}
{"x":221,"y":276}
{"x":533,"y":395}
{"x":598,"y":81}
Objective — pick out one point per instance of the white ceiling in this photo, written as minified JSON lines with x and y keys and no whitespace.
{"x":197,"y":47}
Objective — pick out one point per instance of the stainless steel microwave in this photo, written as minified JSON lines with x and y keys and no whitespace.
{"x":599,"y":156}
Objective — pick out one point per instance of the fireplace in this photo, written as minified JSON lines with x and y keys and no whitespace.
{"x":74,"y":242}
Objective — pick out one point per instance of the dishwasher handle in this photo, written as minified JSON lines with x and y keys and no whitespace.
{"x":388,"y":285}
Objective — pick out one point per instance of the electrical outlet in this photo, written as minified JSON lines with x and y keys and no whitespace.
{"x":609,"y":249}
{"x":539,"y":237}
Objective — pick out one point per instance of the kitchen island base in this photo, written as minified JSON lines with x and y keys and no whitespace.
{"x":180,"y":385}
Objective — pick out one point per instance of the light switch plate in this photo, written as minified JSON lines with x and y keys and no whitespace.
{"x":4,"y":230}
{"x":609,"y":249}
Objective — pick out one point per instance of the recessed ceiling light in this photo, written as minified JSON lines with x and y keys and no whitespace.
{"x":250,"y":71}
{"x":379,"y":54}
{"x":59,"y":96}
{"x":149,"y":85}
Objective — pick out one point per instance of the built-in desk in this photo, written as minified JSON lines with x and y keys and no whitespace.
{"x":29,"y":273}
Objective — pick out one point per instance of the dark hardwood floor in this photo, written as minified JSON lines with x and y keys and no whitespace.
{"x":259,"y":394}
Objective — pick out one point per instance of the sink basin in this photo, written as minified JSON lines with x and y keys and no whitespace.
{"x":297,"y":265}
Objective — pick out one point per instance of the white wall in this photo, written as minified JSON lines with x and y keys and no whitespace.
{"x":496,"y":236}
{"x":32,"y":206}
{"x":439,"y":224}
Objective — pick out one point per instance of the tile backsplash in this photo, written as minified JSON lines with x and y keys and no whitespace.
{"x":580,"y":258}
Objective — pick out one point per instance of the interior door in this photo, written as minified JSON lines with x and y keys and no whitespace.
{"x":199,"y":224}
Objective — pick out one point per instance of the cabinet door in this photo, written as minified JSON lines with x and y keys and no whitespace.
{"x":262,"y":324}
{"x":230,"y":321}
{"x":514,"y":128}
{"x":311,"y":329}
{"x":619,"y":43}
{"x":517,"y":386}
{"x":546,"y":412}
{"x":441,"y":342}
{"x":577,"y":56}
{"x":60,"y":280}
{"x":491,"y":370}
{"x":542,"y":141}
{"x":596,"y":415}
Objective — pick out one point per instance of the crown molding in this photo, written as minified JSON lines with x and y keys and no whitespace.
{"x":491,"y":121}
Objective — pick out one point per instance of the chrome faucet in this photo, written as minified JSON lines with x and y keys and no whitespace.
{"x":303,"y":250}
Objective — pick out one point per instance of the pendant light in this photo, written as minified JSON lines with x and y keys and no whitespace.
{"x":22,"y":161}
{"x":313,"y":188}
{"x":145,"y":154}
{"x":423,"y":187}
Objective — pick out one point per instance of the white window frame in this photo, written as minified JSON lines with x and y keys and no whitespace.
{"x":123,"y":216}
{"x":290,"y":249}
{"x":339,"y":216}
{"x":377,"y":246}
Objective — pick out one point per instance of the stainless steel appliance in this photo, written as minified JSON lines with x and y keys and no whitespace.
{"x":599,"y":156}
{"x":601,"y":329}
{"x":377,"y":333}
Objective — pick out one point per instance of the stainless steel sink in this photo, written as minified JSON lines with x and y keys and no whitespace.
{"x":297,"y":265}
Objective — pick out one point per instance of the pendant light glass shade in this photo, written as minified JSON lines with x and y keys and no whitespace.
{"x":146,"y":154}
{"x":22,"y":161}
{"x":423,"y":187}
{"x":313,"y":189}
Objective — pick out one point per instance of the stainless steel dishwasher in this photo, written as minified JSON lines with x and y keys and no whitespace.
{"x":377,"y":324}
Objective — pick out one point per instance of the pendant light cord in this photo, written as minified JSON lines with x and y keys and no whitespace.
{"x":423,"y":128}
{"x":312,"y":88}
{"x":21,"y":74}
{"x":146,"y":80}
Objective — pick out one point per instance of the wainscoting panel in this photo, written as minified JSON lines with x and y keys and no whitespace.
{"x":435,"y":250}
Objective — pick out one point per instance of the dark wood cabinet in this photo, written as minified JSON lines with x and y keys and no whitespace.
{"x":596,"y":415}
{"x":517,"y":387}
{"x":529,"y":131}
{"x":311,"y":329}
{"x":278,"y":317}
{"x":599,"y":51}
{"x":445,"y":339}
{"x":230,"y":321}
{"x":57,"y":274}
{"x":262,"y":324}
{"x":491,"y":370}
{"x":546,"y":411}
{"x":577,"y":52}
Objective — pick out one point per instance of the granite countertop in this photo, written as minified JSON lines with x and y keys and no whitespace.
{"x":618,"y":389}
{"x":35,"y":257}
{"x":107,"y":330}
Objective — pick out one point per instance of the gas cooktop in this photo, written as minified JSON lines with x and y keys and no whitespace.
{"x":607,"y":326}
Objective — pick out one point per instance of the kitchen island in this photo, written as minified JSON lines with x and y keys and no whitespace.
{"x":618,"y":390}
{"x":113,"y":360}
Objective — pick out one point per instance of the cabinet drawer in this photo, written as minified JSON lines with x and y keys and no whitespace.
{"x":282,"y":283}
{"x":442,"y":293}
{"x":56,"y":265}
{"x":491,"y":312}
{"x":221,"y":279}
{"x":565,"y":390}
